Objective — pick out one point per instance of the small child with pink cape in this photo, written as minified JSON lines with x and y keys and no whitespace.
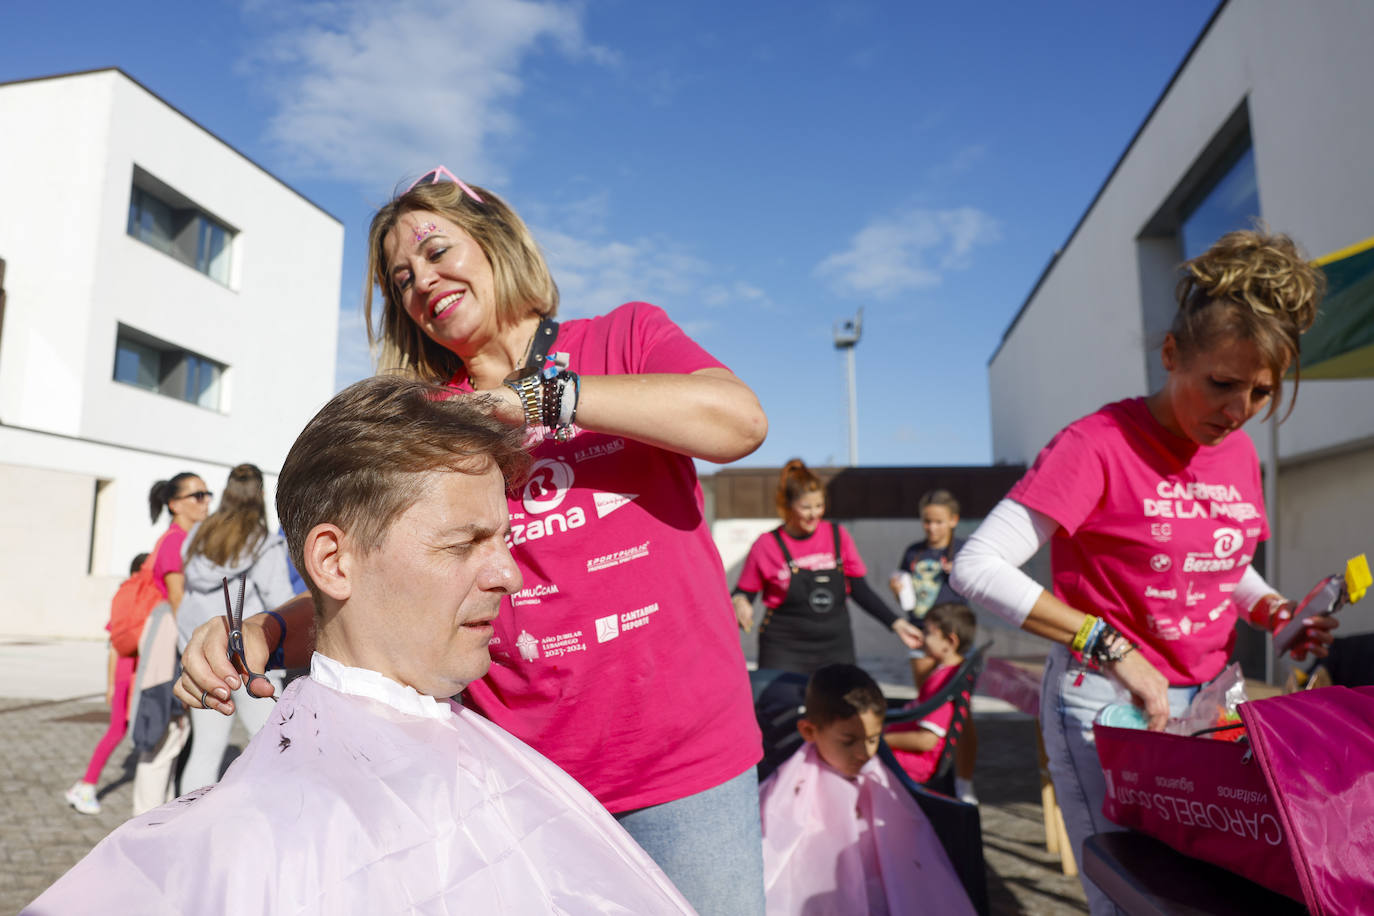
{"x":841,"y":836}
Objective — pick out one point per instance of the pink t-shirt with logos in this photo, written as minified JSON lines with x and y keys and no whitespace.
{"x":1155,"y":531}
{"x":920,"y":765}
{"x":168,"y":559}
{"x":765,"y":569}
{"x":620,"y":658}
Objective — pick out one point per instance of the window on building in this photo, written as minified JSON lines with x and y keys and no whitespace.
{"x":145,"y":362}
{"x":164,"y":219}
{"x":1230,"y":200}
{"x":1218,"y":193}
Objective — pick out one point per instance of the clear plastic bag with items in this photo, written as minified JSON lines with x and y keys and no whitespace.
{"x":1213,"y":711}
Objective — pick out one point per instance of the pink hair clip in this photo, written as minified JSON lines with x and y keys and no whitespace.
{"x":425,"y":232}
{"x":438,"y":173}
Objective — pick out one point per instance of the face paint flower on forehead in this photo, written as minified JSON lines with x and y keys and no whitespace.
{"x":424,"y":232}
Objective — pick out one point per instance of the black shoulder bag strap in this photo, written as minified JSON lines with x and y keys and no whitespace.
{"x":545,"y":336}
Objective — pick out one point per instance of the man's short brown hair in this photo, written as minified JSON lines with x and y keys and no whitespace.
{"x":354,"y":465}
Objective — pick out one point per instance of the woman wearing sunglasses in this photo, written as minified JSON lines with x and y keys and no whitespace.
{"x":187,"y":501}
{"x":185,"y":498}
{"x":234,"y":541}
{"x":619,"y":659}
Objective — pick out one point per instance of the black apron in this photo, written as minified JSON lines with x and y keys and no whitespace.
{"x":810,"y":628}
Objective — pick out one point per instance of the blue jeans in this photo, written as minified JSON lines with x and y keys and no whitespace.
{"x":710,"y":845}
{"x":1067,"y":711}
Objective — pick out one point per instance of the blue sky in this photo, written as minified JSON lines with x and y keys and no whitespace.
{"x":761,"y":170}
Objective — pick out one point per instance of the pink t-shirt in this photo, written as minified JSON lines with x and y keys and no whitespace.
{"x":920,"y":765}
{"x":168,"y":559}
{"x":1155,"y":532}
{"x":765,"y":569}
{"x":620,"y":658}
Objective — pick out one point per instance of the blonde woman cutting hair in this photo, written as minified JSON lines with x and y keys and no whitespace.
{"x":624,"y":607}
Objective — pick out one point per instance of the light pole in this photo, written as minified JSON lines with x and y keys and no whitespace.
{"x":846,"y":336}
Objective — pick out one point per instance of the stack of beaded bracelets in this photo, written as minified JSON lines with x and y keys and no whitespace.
{"x":549,"y":398}
{"x":560,"y":394}
{"x":1099,"y":642}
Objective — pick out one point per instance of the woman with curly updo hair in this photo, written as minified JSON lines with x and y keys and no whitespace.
{"x":1154,"y":509}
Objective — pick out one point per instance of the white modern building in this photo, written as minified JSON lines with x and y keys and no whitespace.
{"x":168,"y":305}
{"x":1270,"y":115}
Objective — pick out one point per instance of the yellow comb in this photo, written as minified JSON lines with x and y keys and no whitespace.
{"x":1357,"y":578}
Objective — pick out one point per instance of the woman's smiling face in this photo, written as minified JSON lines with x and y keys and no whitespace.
{"x":805,"y":513}
{"x":443,"y":280}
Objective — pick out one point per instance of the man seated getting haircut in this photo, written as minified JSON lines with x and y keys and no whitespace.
{"x":368,"y":791}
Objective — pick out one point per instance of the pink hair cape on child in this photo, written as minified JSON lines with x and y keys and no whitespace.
{"x":344,"y":804}
{"x":814,"y":857}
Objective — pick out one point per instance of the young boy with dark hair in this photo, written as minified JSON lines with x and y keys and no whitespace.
{"x":840,"y":836}
{"x":950,"y":629}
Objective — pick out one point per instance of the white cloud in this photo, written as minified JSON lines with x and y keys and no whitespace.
{"x":910,"y":251}
{"x":597,"y":274}
{"x":735,"y":294}
{"x":594,"y":276}
{"x":373,"y":91}
{"x":960,"y":161}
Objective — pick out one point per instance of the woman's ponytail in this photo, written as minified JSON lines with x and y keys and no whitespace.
{"x":158,"y":496}
{"x":163,"y":492}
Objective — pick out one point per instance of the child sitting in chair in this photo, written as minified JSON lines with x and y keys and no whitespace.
{"x":917,"y":745}
{"x":840,"y":834}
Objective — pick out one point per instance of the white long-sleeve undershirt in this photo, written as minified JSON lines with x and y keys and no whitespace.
{"x":987,"y":571}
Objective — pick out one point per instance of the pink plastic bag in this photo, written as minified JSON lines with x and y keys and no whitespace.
{"x":1208,"y":799}
{"x":1316,"y":749}
{"x":1292,"y":810}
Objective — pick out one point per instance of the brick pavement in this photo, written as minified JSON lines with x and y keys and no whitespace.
{"x":50,"y":743}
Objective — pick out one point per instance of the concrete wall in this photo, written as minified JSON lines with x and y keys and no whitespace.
{"x":52,"y":531}
{"x":1299,"y":73}
{"x":74,"y":274}
{"x":1323,"y":526}
{"x":58,"y":507}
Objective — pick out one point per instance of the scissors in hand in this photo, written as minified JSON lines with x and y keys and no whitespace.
{"x":234,"y":616}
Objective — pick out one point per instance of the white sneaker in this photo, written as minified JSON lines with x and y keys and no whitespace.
{"x":82,"y":797}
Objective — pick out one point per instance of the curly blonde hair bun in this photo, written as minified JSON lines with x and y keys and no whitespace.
{"x":1252,"y":285}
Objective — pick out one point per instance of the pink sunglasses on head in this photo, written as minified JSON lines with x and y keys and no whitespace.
{"x":439,"y":173}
